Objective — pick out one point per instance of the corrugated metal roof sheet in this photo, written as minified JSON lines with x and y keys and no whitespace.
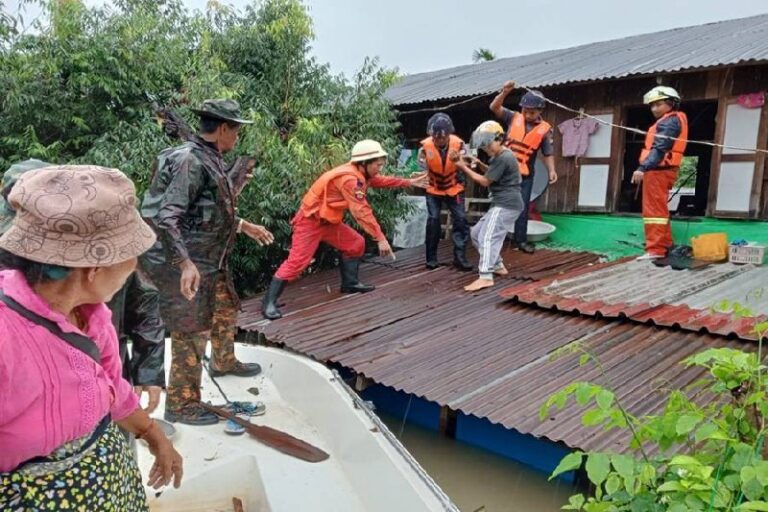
{"x":702,"y":46}
{"x":323,"y":287}
{"x":642,"y":292}
{"x":639,"y":361}
{"x":420,"y":333}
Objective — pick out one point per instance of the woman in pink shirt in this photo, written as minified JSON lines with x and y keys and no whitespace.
{"x":73,"y":243}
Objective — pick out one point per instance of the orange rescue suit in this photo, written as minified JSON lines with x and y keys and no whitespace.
{"x":522,"y":144}
{"x":345,"y":188}
{"x":442,"y":173}
{"x":657,"y":184}
{"x":674,"y":156}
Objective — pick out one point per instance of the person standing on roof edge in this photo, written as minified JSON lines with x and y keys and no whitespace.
{"x":191,"y":205}
{"x":321,"y":215}
{"x":660,"y":161}
{"x":526,"y":134}
{"x":446,"y":186}
{"x":502,"y":177}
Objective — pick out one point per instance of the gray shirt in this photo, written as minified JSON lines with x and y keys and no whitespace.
{"x":504,"y":175}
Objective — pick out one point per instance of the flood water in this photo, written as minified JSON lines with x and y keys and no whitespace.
{"x":479,"y":481}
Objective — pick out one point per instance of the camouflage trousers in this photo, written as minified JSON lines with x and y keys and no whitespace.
{"x":187,"y":350}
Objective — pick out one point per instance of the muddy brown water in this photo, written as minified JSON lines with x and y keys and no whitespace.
{"x":477,"y":480}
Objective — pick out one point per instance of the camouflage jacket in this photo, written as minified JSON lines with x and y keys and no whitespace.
{"x":191,"y":206}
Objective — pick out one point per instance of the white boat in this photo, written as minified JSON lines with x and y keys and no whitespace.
{"x":368,"y":468}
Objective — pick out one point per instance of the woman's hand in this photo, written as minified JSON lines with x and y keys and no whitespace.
{"x":168,"y":463}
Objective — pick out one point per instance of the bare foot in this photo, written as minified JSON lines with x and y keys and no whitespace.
{"x":479,"y":284}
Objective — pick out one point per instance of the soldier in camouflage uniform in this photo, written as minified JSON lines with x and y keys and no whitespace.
{"x":191,"y":204}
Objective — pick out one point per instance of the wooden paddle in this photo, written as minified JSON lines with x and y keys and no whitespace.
{"x":276,"y":439}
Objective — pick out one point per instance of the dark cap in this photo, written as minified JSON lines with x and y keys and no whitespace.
{"x":440,"y":124}
{"x":226,"y":110}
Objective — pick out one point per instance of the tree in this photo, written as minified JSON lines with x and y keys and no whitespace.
{"x":81,"y":87}
{"x":483,"y":55}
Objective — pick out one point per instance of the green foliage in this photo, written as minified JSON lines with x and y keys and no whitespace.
{"x":703,"y":452}
{"x":79,"y":88}
{"x":483,"y":55}
{"x":686,"y":176}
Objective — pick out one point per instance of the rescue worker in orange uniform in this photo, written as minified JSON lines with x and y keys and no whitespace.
{"x":321,"y":215}
{"x":660,"y":161}
{"x":526,"y":134}
{"x":446,"y":187}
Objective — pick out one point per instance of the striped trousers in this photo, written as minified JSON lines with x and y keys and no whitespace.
{"x":488,"y":237}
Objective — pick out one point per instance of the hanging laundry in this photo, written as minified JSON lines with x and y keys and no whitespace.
{"x":576,"y":133}
{"x":753,"y":100}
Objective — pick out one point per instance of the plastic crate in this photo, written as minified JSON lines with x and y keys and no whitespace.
{"x":750,"y":253}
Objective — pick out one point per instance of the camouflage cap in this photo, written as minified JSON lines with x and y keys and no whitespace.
{"x":226,"y":110}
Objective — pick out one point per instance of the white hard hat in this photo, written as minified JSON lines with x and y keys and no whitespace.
{"x":367,"y":150}
{"x":660,"y":92}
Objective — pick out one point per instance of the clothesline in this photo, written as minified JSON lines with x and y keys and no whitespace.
{"x":599,"y":120}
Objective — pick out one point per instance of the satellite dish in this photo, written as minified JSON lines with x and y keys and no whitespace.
{"x":540,"y":179}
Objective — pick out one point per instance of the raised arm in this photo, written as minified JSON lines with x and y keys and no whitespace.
{"x":497,"y":105}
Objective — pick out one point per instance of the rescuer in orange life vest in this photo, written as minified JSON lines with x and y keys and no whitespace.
{"x":659,"y":163}
{"x":446,"y":187}
{"x":526,"y":134}
{"x":321,"y":215}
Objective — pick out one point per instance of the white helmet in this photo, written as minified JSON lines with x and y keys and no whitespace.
{"x":660,"y":92}
{"x":486,"y":133}
{"x":367,"y":150}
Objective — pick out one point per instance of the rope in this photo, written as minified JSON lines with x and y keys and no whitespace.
{"x":446,"y":107}
{"x":599,"y":120}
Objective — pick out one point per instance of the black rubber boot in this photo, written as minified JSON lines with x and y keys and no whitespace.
{"x":460,"y":261}
{"x":526,"y":247}
{"x":431,"y":241}
{"x":269,"y":303}
{"x":349,"y":281}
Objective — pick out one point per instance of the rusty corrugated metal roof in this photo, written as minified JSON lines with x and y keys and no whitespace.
{"x":639,"y":361}
{"x":420,"y":333}
{"x":324,"y":286}
{"x":640,"y":291}
{"x":711,"y":45}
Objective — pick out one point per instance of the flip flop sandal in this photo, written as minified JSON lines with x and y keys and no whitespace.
{"x":235,"y":429}
{"x":245,"y":408}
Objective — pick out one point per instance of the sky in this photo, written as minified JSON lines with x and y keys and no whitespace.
{"x":424,"y":35}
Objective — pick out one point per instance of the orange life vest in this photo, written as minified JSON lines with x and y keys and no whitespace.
{"x":525,"y":145}
{"x":674,"y":156}
{"x":330,"y":208}
{"x":442,"y":174}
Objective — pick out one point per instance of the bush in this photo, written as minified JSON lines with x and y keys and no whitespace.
{"x":705,"y":451}
{"x":80,"y":89}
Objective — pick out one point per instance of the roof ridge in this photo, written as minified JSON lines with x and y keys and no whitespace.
{"x":585,"y":45}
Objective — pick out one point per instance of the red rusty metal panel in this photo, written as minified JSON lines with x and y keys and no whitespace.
{"x":658,"y":296}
